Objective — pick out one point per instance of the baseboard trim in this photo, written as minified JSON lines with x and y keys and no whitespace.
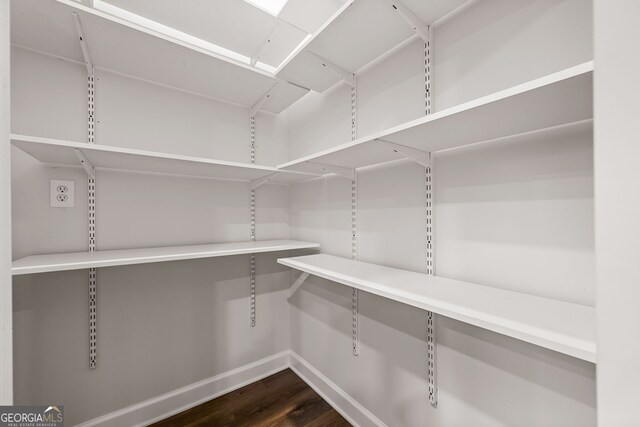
{"x":173,"y":402}
{"x":184,"y":398}
{"x":340,"y":400}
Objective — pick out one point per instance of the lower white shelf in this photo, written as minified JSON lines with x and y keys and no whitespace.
{"x":565,"y":327}
{"x":82,"y":260}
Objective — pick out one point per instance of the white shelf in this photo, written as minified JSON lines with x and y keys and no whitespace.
{"x":554,"y":100}
{"x":557,"y":325}
{"x":63,"y":153}
{"x":47,"y":26}
{"x":358,"y":33}
{"x":82,"y":260}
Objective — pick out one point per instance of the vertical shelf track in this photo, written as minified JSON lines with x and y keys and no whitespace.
{"x":354,"y":221}
{"x":91,"y":194}
{"x":93,"y":283}
{"x":425,"y":32}
{"x":252,"y":220}
{"x":430,"y":265}
{"x":252,"y":200}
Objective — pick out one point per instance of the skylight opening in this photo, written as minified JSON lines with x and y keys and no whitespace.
{"x":274,"y":7}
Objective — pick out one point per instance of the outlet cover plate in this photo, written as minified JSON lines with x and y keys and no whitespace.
{"x":62,"y":193}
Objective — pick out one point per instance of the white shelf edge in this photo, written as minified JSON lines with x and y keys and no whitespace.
{"x":144,"y":153}
{"x":111,"y":258}
{"x":303,"y":46}
{"x":484,"y":100}
{"x":577,"y":347}
{"x":134,"y":151}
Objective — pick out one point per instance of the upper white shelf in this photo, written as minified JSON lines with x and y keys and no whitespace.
{"x":47,"y":26}
{"x":557,"y":325}
{"x":81,"y":260}
{"x":64,"y":153}
{"x":554,"y":100}
{"x":358,"y":33}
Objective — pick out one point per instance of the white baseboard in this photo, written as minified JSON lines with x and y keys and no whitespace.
{"x":340,"y":400}
{"x":168,"y":404}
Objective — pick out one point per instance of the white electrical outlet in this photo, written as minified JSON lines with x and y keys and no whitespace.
{"x":62,"y":193}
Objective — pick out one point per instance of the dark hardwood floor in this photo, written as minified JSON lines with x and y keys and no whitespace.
{"x":282,"y":399}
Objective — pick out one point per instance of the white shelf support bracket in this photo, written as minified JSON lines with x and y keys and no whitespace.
{"x":421,"y":157}
{"x":260,"y":102}
{"x":414,"y":22}
{"x":256,"y":183}
{"x":86,"y":164}
{"x":324,"y":168}
{"x":83,"y":43}
{"x":299,"y":281}
{"x":338,"y":71}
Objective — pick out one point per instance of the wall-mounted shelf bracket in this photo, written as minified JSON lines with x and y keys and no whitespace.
{"x":421,"y":157}
{"x":324,"y":168}
{"x":86,"y":164}
{"x":338,"y":71}
{"x":299,"y":281}
{"x":256,"y":183}
{"x":260,"y":102}
{"x":83,"y":43}
{"x":415,"y":23}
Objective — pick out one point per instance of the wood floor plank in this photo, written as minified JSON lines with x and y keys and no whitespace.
{"x":282,"y":399}
{"x":308,"y":410}
{"x":329,"y":419}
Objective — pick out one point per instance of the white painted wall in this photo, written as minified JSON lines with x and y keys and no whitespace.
{"x":6,"y":344}
{"x":160,"y":326}
{"x":617,"y":210}
{"x":516,"y":214}
{"x":497,"y":44}
{"x":319,"y":121}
